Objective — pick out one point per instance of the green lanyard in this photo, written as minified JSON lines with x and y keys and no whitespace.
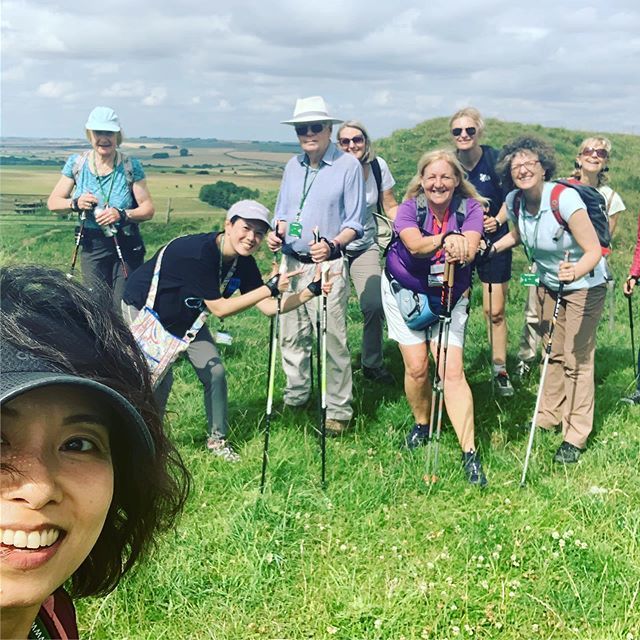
{"x":528,"y":247}
{"x":38,"y":631}
{"x":106,"y":197}
{"x":305,"y":189}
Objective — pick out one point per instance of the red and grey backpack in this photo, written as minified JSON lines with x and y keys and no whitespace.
{"x":594,"y":202}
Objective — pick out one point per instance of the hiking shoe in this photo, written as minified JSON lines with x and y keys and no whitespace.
{"x":222,"y":449}
{"x":378,"y":374}
{"x":523,"y":369}
{"x":634,"y":398}
{"x":567,"y":453}
{"x":473,"y":468}
{"x":418,"y":436}
{"x":335,"y":427}
{"x":503,"y":384}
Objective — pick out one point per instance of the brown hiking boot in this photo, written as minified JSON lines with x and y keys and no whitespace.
{"x":336,"y":427}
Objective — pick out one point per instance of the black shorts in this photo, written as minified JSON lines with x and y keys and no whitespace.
{"x":498,"y":269}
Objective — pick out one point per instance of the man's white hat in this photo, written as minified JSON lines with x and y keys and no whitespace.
{"x":312,"y":109}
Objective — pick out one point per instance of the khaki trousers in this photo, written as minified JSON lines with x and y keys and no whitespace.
{"x":297,"y":330}
{"x":568,"y":394}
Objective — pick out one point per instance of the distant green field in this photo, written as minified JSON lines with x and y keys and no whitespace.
{"x":377,"y":554}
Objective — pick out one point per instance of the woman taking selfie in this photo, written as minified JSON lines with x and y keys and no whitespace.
{"x":88,"y":477}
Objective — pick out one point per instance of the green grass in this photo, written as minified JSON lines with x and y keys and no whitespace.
{"x":379,"y":554}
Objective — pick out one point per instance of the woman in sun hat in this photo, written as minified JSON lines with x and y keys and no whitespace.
{"x":363,"y":255}
{"x":108,"y":191}
{"x":88,"y":478}
{"x":196,"y":275}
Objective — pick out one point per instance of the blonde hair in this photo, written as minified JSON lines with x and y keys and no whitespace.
{"x":469,"y":112}
{"x":369,"y":154}
{"x":464,"y":189}
{"x":605,"y":143}
{"x":119,"y":136}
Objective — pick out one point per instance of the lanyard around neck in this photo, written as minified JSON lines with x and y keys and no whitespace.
{"x":529,"y":247}
{"x":232,"y":268}
{"x":440,"y":228}
{"x":305,"y":189}
{"x":105,"y":197}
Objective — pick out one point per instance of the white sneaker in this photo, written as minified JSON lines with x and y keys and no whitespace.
{"x":221,"y":448}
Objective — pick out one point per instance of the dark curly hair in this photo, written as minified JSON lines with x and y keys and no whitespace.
{"x":544,"y":151}
{"x":61,"y":321}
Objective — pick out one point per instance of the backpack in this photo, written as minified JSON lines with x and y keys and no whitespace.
{"x":594,"y":202}
{"x":383,"y":224}
{"x":125,"y":159}
{"x":460,"y":208}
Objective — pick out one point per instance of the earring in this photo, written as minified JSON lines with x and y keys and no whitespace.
{"x":576,"y":165}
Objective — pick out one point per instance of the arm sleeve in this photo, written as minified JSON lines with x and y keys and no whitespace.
{"x":475,"y":217}
{"x":282,"y":205}
{"x":615,"y":204}
{"x":407,"y":216}
{"x":138,"y":171}
{"x":635,"y":265}
{"x":251,"y":277}
{"x":569,"y":203}
{"x":508,"y":201}
{"x":67,"y":170}
{"x":355,"y":201}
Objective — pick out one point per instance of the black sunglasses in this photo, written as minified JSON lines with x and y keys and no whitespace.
{"x":471,"y":131}
{"x":302,"y":129}
{"x":344,"y":142}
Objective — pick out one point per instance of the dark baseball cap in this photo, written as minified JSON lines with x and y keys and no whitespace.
{"x":22,"y":370}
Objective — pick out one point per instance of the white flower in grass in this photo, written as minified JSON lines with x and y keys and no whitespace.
{"x":343,"y":547}
{"x":584,"y":545}
{"x":555,"y":535}
{"x":377,"y":623}
{"x":535,"y":628}
{"x":422,"y":587}
{"x":331,"y":630}
{"x":507,"y":501}
{"x":453,"y":607}
{"x":555,"y":554}
{"x":562,"y":542}
{"x":430,"y":565}
{"x":425,"y":634}
{"x":495,"y":555}
{"x":469,"y":629}
{"x":484,"y":584}
{"x":567,"y":534}
{"x":455,"y":630}
{"x":498,"y":625}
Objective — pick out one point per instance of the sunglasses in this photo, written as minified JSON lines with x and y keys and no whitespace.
{"x":345,"y":142}
{"x":601,"y":153}
{"x":302,"y":129}
{"x":471,"y":131}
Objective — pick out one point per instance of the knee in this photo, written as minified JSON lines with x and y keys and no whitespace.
{"x":417,"y":372}
{"x":496,"y":316}
{"x":213,"y":373}
{"x":455,"y":376}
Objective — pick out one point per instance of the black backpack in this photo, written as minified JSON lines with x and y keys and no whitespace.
{"x":594,"y":201}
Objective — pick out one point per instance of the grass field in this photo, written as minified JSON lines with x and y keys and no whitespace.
{"x":379,"y":554}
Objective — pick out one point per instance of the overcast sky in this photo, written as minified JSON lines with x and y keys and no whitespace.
{"x":234,"y":68}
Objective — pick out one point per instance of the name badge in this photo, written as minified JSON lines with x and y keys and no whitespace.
{"x":436,"y":275}
{"x":232,"y":286}
{"x":295,"y":229}
{"x":529,"y":279}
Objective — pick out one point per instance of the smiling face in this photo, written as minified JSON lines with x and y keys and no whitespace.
{"x":352,"y":141}
{"x":466,"y":138}
{"x":593,"y":158}
{"x":526,"y":170}
{"x":244,"y":236}
{"x":439,"y":181}
{"x":56,"y":487}
{"x":104,"y":143}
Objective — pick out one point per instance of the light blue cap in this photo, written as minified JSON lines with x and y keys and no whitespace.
{"x":103,"y":119}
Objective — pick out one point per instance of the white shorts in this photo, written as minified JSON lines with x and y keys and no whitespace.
{"x":398,"y":330}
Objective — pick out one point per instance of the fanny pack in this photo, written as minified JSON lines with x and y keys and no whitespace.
{"x":418,"y":310}
{"x":161,"y":348}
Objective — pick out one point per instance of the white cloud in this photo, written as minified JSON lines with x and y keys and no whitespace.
{"x":157,"y":96}
{"x":54,"y":89}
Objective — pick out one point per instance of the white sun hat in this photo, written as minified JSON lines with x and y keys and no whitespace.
{"x":312,"y":109}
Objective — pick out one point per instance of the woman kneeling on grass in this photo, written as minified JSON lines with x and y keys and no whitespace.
{"x":440,"y":220}
{"x":526,"y":166}
{"x":198,"y":275}
{"x":87,"y":476}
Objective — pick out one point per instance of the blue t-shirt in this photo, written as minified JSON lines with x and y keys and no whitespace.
{"x":120,"y":195}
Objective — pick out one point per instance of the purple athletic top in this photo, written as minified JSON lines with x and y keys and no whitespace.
{"x":412,"y":272}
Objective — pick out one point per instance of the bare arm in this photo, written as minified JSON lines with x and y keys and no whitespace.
{"x":60,"y":198}
{"x":224,"y":307}
{"x":145,"y":208}
{"x":389,"y":204}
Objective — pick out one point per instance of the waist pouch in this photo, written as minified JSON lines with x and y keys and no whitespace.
{"x":418,"y":310}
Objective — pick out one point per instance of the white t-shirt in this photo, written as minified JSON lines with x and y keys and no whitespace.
{"x":613,"y":200}
{"x":371,"y":190}
{"x":547,"y":241}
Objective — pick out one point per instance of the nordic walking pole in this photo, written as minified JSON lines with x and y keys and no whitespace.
{"x":114,"y":235}
{"x":547,"y":354}
{"x":273,"y":347}
{"x":323,"y":381}
{"x":437,"y":394}
{"x":79,"y":235}
{"x":318,"y":372}
{"x":634,"y":353}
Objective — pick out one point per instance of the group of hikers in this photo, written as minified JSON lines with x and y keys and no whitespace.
{"x":101,"y":376}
